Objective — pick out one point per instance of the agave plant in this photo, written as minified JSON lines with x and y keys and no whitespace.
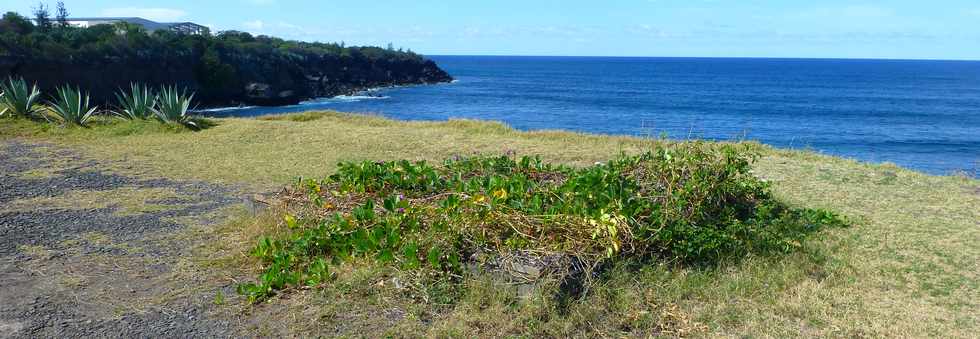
{"x":72,"y":107}
{"x":174,"y":106}
{"x":3,"y":108}
{"x":137,"y":103}
{"x":19,"y":99}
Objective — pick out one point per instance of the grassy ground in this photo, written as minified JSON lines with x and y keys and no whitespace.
{"x":908,"y":268}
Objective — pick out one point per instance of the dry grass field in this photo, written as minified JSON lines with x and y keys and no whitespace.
{"x":908,"y":267}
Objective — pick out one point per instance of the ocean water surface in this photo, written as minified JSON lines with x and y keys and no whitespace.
{"x":923,"y":115}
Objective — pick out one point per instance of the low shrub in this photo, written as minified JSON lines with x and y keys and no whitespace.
{"x":19,"y":99}
{"x":174,"y":106}
{"x":693,"y":203}
{"x":72,"y":107}
{"x":137,"y":103}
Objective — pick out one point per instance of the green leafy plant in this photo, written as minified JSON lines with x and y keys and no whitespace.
{"x":137,"y":103}
{"x":19,"y":99}
{"x":72,"y":107}
{"x":3,"y":109}
{"x":219,"y":298}
{"x":173,"y":106}
{"x":692,"y":203}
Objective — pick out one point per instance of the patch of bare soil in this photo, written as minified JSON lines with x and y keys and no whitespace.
{"x":90,"y":271}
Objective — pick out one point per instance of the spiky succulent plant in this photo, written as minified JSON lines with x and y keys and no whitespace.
{"x":19,"y":99}
{"x":137,"y":103}
{"x":72,"y":107}
{"x":173,"y":106}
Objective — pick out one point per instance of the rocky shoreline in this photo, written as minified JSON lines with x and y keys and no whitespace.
{"x":322,"y":85}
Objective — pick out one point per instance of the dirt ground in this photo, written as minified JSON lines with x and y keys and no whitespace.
{"x":91,"y":253}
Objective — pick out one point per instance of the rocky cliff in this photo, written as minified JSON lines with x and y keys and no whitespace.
{"x":249,"y":84}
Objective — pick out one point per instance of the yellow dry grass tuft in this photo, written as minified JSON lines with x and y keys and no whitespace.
{"x":124,"y":201}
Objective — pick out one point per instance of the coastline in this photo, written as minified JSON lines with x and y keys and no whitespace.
{"x":304,"y":110}
{"x":352,"y":95}
{"x":829,"y":106}
{"x":178,"y":170}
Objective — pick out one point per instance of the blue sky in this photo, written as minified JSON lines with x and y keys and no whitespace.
{"x":712,"y":28}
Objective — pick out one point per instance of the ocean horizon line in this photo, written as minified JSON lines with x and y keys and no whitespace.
{"x":689,"y":57}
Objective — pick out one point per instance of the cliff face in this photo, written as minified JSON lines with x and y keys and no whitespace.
{"x":235,"y":79}
{"x":328,"y":76}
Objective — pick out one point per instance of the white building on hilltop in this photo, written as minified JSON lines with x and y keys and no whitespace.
{"x":179,"y":27}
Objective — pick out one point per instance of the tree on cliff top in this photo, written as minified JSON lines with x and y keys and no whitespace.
{"x":42,"y":18}
{"x":62,"y":16}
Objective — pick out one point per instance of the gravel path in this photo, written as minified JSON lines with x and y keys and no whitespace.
{"x":89,"y":271}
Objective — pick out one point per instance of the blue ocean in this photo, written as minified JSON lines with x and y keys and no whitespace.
{"x":923,"y":115}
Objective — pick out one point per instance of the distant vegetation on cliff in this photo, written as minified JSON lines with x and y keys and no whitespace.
{"x":226,"y":68}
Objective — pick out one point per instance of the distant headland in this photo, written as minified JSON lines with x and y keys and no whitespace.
{"x":227,"y":68}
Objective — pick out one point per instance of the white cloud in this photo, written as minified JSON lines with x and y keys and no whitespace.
{"x":156,"y":14}
{"x":255,"y":25}
{"x":282,"y":30}
{"x":259,"y":26}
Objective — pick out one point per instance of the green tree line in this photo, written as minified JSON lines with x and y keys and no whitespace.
{"x":222,"y":62}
